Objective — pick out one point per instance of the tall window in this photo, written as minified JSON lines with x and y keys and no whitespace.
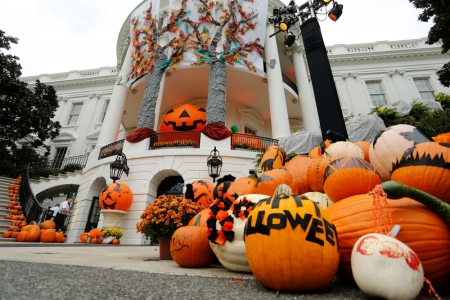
{"x":75,"y":113}
{"x":59,"y":157}
{"x":105,"y":109}
{"x":376,"y":93}
{"x":424,"y":87}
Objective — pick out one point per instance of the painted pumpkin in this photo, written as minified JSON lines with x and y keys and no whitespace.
{"x":271,"y":179}
{"x":365,"y":148}
{"x":190,"y":248}
{"x":117,"y":196}
{"x":315,"y":152}
{"x":273,"y":158}
{"x":385,"y":267}
{"x":226,"y":232}
{"x":242,"y":186}
{"x":425,"y":167}
{"x":316,"y":173}
{"x":203,"y":192}
{"x":298,"y":168}
{"x":391,"y":143}
{"x":421,"y":230}
{"x":344,"y":148}
{"x":349,"y":176}
{"x":186,"y":117}
{"x":200,"y":218}
{"x":222,"y":186}
{"x":307,"y":252}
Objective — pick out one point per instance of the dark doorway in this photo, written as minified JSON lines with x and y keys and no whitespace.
{"x":172,"y":185}
{"x":94,"y":215}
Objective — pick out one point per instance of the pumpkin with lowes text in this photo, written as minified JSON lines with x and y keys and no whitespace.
{"x":307,"y":251}
{"x":116,"y":196}
{"x":273,"y":158}
{"x":186,"y":117}
{"x":349,"y":176}
{"x":421,"y":230}
{"x":190,"y":248}
{"x":203,"y":192}
{"x":426,"y":167}
{"x":385,"y":267}
{"x":391,"y":143}
{"x":271,"y":179}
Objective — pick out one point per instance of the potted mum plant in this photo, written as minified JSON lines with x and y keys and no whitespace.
{"x":161,"y":218}
{"x":111,"y":234}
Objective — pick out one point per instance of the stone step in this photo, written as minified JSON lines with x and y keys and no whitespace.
{"x":7,"y":240}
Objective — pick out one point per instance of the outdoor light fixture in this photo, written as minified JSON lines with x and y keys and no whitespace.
{"x":214,"y":163}
{"x":289,"y":40}
{"x":336,"y":11}
{"x":326,"y":2}
{"x":118,"y":166}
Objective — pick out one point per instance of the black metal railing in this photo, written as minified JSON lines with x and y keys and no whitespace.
{"x":249,"y":142}
{"x":111,"y":149}
{"x":54,"y":167}
{"x":31,"y":208}
{"x":171,"y":140}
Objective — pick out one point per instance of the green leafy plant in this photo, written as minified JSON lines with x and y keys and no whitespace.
{"x":115,"y":232}
{"x":71,"y":168}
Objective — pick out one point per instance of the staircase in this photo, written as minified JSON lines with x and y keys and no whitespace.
{"x":4,"y":201}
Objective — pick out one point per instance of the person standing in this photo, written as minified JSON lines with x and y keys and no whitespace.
{"x":64,"y":211}
{"x":55,"y":210}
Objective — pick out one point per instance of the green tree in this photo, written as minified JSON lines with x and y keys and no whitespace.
{"x":25,"y":115}
{"x":438,"y":10}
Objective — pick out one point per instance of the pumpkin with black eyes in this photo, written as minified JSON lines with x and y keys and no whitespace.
{"x":186,"y":117}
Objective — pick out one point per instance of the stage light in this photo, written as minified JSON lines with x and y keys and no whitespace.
{"x":326,"y":2}
{"x":336,"y":11}
{"x":289,"y":40}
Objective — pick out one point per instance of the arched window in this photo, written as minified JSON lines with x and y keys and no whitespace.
{"x":172,"y":185}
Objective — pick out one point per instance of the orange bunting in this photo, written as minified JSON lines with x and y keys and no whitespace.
{"x":221,"y":215}
{"x":228,"y":226}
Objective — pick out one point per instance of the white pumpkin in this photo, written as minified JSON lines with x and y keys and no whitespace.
{"x":344,"y":148}
{"x":253,"y":197}
{"x":384,"y":267}
{"x":232,"y":254}
{"x":319,"y":198}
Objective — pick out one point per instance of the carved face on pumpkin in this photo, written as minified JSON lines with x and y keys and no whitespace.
{"x":186,"y":117}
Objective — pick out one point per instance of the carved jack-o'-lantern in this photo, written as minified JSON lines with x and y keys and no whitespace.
{"x":203,"y":192}
{"x":186,"y":117}
{"x":116,"y":196}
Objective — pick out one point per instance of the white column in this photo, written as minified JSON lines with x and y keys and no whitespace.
{"x":113,"y":118}
{"x":277,"y":101}
{"x":307,"y":101}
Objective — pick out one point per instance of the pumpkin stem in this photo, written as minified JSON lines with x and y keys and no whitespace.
{"x":283,"y":189}
{"x":396,"y":190}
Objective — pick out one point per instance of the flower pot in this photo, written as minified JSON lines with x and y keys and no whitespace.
{"x":164,"y":247}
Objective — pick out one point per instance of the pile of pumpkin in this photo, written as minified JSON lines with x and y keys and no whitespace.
{"x":44,"y":233}
{"x":95,"y":236}
{"x":18,"y":220}
{"x":294,"y":244}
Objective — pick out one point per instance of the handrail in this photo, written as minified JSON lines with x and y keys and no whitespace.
{"x":68,"y":164}
{"x":171,"y":140}
{"x":31,"y":208}
{"x":249,"y":142}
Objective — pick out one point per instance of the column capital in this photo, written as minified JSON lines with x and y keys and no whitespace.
{"x":94,"y":95}
{"x":354,"y":75}
{"x":345,"y":75}
{"x":62,"y":98}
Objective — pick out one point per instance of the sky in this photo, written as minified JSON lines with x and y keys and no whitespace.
{"x":62,"y":35}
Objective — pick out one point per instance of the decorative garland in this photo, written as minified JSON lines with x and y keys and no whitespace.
{"x":223,"y":211}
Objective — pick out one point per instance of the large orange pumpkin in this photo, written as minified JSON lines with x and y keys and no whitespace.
{"x":116,"y":196}
{"x":47,"y":235}
{"x":298,"y":168}
{"x":33,"y":233}
{"x":47,"y":224}
{"x":203,"y":192}
{"x":273,"y":158}
{"x":186,"y":117}
{"x":190,"y":248}
{"x":365,"y":148}
{"x":349,"y":176}
{"x":316,"y":172}
{"x":222,"y":186}
{"x":391,"y":143}
{"x":271,"y":179}
{"x":425,"y":167}
{"x":421,"y":230}
{"x":307,"y":253}
{"x":200,"y":218}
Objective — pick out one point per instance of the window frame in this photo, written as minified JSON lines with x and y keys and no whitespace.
{"x":105,"y":107}
{"x":432,"y":90}
{"x":74,"y":104}
{"x":380,"y":82}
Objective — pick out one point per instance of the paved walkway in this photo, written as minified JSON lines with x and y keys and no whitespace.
{"x":79,"y":271}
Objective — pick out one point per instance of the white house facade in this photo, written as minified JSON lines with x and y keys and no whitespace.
{"x":97,"y":110}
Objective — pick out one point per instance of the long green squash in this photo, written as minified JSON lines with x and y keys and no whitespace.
{"x":396,"y":190}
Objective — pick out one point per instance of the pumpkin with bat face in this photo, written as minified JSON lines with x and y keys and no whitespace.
{"x":242,"y":186}
{"x":186,"y":117}
{"x":273,"y":158}
{"x":271,"y":179}
{"x":117,"y":196}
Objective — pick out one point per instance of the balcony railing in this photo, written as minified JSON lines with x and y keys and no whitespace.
{"x":248,"y":142}
{"x":111,"y":149}
{"x":54,"y":167}
{"x":171,"y":140}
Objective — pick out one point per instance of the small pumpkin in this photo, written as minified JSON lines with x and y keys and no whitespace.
{"x":33,"y":232}
{"x":115,"y":241}
{"x":48,"y":235}
{"x":22,"y":236}
{"x":307,"y":251}
{"x":47,"y":224}
{"x":190,"y":248}
{"x":6,"y":234}
{"x":95,"y":233}
{"x":59,"y":236}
